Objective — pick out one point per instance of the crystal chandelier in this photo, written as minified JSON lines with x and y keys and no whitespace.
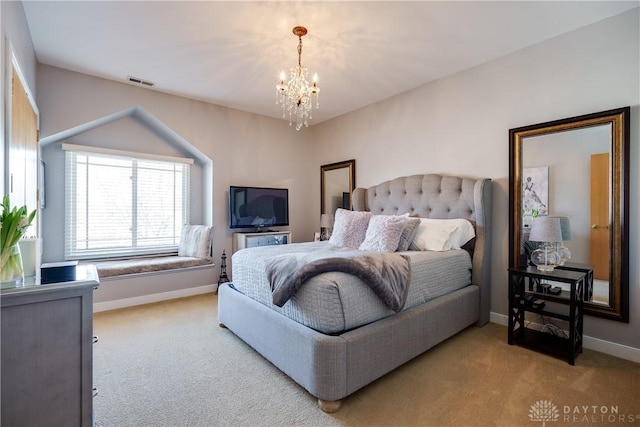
{"x":296,"y":95}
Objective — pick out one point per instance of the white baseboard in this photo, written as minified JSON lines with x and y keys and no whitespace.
{"x":147,"y":299}
{"x":614,"y":349}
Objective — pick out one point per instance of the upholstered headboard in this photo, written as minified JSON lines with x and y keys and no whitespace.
{"x":438,"y":196}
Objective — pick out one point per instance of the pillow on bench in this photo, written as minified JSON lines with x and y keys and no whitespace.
{"x":196,"y":241}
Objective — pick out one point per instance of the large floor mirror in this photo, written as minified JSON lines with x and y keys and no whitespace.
{"x":577,"y":168}
{"x":337,"y":182}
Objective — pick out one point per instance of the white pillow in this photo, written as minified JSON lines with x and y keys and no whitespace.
{"x":383,"y":233}
{"x":463,"y":234}
{"x":196,"y":241}
{"x":349,"y":228}
{"x":459,"y":237}
{"x":432,"y":236}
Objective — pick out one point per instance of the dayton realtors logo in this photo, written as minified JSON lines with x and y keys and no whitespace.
{"x":546,"y":411}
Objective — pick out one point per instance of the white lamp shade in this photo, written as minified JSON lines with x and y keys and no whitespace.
{"x":326,"y":221}
{"x":546,"y":229}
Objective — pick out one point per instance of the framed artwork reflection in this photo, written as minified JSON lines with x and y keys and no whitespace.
{"x":535,"y":191}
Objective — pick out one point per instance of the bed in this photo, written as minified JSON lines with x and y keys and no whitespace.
{"x":333,"y":358}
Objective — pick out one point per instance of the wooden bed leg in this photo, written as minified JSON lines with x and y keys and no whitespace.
{"x":222,"y":325}
{"x":330,"y":406}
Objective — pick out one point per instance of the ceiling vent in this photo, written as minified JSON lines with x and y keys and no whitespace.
{"x":140,"y":81}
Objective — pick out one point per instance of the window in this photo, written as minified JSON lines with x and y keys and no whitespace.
{"x":123,"y":204}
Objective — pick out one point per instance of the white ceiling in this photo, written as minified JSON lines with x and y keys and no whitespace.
{"x":230,"y":53}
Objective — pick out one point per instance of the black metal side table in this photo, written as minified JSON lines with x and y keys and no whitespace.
{"x":523,"y":288}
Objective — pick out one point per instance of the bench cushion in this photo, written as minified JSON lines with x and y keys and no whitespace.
{"x":145,"y":265}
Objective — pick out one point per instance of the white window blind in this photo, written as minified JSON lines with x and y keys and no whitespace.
{"x":122,"y":204}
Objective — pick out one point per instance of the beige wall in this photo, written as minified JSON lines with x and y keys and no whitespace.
{"x":246,"y":149}
{"x":460,"y":124}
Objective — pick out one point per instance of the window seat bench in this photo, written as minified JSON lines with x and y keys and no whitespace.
{"x":125,"y":283}
{"x":143,"y":280}
{"x":146,"y":265}
{"x":195,"y":249}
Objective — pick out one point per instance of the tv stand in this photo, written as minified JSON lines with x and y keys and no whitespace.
{"x":260,"y":238}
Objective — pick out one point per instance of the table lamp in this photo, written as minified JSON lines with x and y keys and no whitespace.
{"x":326,"y":223}
{"x":548,"y":231}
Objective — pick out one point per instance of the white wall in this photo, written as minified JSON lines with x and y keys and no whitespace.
{"x":460,"y":124}
{"x":246,"y":149}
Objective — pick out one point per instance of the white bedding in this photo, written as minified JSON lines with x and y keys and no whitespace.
{"x":334,"y":302}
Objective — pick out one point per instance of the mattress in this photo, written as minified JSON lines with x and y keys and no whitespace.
{"x":332,"y":303}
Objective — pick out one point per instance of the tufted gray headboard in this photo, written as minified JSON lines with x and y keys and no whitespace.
{"x":438,"y":196}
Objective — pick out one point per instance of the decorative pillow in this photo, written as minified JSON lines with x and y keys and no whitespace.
{"x":349,"y":228}
{"x":196,"y":241}
{"x":408,"y":233}
{"x":459,"y":231}
{"x":433,"y":236}
{"x":383,"y":233}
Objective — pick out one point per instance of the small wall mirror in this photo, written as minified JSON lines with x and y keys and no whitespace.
{"x":577,"y":168}
{"x":337,"y":182}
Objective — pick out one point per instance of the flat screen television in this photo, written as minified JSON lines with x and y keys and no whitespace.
{"x":258,"y":207}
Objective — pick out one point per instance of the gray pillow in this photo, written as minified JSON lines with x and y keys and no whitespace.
{"x":408,"y":233}
{"x":383,"y":233}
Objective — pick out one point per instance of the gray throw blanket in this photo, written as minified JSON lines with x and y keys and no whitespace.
{"x":388,"y":274}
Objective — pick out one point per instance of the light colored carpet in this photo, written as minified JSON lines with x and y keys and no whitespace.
{"x":170,"y":364}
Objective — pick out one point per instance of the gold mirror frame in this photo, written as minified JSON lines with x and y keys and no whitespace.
{"x":618,"y":119}
{"x":350,"y":165}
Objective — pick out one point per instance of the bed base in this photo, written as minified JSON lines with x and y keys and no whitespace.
{"x":332,"y":367}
